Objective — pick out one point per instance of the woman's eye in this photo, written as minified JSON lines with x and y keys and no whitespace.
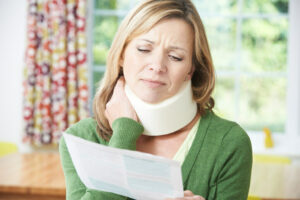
{"x":143,"y":50}
{"x":175,"y":58}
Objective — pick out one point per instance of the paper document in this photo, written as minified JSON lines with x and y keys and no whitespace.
{"x":129,"y":173}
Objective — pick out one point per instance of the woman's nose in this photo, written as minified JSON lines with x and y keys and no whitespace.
{"x":158,"y":64}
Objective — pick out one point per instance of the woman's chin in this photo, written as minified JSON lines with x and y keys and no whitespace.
{"x":152,"y":99}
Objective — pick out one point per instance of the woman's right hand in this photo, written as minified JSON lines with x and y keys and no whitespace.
{"x":188,"y":195}
{"x":119,"y":105}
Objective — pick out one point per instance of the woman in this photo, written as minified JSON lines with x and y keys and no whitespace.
{"x":156,"y":98}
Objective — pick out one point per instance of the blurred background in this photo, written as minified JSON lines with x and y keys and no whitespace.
{"x":255,"y":45}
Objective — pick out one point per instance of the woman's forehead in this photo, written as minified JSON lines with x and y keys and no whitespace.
{"x":176,"y":31}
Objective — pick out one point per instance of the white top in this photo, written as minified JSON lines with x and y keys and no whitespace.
{"x":187,"y":143}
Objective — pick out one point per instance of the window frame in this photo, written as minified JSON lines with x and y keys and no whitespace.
{"x":293,"y":93}
{"x":286,"y":144}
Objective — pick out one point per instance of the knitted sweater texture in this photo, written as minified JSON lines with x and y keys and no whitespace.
{"x":217,"y":166}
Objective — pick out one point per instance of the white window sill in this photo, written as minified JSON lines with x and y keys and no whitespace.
{"x":283,"y":145}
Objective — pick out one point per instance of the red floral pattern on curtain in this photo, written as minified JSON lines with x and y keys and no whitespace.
{"x":55,"y":74}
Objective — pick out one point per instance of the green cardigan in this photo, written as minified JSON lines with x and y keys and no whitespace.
{"x":218,"y":165}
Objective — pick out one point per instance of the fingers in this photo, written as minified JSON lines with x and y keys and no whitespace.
{"x":188,"y":193}
{"x":120,"y":83}
{"x":119,"y":105}
{"x":188,"y":198}
{"x":193,"y":198}
{"x":197,"y":197}
{"x":119,"y":87}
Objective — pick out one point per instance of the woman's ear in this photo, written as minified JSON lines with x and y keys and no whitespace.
{"x":190,"y":74}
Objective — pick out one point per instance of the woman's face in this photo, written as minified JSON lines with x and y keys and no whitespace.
{"x":157,"y":63}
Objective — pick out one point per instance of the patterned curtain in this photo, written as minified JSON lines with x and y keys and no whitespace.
{"x":55,"y":74}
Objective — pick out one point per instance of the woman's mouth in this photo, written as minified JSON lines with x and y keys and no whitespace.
{"x":153,"y":83}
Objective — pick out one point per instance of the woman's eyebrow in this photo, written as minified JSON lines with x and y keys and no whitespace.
{"x":146,"y":40}
{"x":177,"y":48}
{"x":171,"y":47}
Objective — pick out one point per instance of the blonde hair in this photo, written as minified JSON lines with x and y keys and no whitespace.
{"x":140,"y":20}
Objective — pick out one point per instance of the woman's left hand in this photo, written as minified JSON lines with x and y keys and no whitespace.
{"x":188,"y":195}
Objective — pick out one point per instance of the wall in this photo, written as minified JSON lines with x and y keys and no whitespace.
{"x":12,"y":47}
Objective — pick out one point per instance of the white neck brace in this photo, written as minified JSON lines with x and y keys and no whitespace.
{"x":167,"y":116}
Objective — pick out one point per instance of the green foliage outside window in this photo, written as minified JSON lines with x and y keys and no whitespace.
{"x":104,"y":31}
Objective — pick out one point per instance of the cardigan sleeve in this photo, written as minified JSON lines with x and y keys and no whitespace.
{"x":125,"y":133}
{"x":235,"y":163}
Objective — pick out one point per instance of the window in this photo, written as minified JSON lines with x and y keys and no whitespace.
{"x":105,"y":17}
{"x":248,"y":41}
